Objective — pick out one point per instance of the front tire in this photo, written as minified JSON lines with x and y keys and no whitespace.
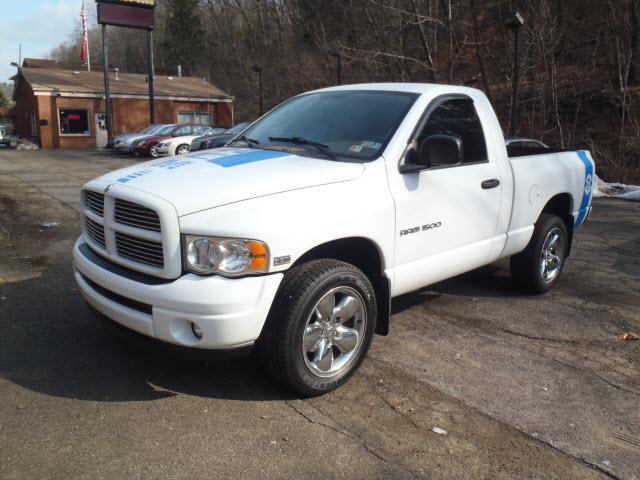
{"x":153,"y":151}
{"x":538,"y":267}
{"x":320,"y":326}
{"x":182,"y":149}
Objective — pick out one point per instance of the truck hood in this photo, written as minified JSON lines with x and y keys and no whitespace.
{"x":208,"y":179}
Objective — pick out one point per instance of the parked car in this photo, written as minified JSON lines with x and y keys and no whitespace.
{"x":148,"y":146}
{"x":525,"y":143}
{"x":6,"y":138}
{"x":124,"y":142}
{"x":216,"y":141}
{"x":296,"y":237}
{"x":180,"y":145}
{"x":201,"y":142}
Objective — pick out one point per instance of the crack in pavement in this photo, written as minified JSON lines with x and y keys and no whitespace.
{"x":584,"y":461}
{"x":343,"y":432}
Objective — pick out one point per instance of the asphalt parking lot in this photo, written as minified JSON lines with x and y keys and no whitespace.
{"x":525,"y":387}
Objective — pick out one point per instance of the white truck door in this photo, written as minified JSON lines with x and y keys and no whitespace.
{"x":446,"y":216}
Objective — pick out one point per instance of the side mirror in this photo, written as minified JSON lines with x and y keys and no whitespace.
{"x":441,"y":150}
{"x":434,"y":151}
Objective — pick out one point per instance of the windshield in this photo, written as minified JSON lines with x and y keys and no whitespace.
{"x":150,"y":129}
{"x":237,"y":129}
{"x":166,"y":129}
{"x":351,"y":123}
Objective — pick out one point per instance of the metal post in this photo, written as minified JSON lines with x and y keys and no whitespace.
{"x":107,"y":96}
{"x":151,"y":74}
{"x":514,"y":87}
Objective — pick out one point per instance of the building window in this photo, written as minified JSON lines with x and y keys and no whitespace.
{"x":74,"y":121}
{"x":34,"y":125}
{"x":195,"y":118}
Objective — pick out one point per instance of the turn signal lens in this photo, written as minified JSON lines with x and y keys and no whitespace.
{"x":259,"y":256}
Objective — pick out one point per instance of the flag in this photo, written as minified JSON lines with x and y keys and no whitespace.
{"x":84,"y":50}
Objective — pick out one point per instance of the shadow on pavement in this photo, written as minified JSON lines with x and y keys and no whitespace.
{"x":52,"y":344}
{"x":489,"y":281}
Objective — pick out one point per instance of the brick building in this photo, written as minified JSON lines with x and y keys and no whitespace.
{"x":64,"y":108}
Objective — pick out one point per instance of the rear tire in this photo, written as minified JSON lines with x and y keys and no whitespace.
{"x":538,"y":267}
{"x":320,"y":326}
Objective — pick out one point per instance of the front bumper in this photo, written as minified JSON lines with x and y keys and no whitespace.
{"x":230,"y":312}
{"x":141,"y":151}
{"x":122,"y":147}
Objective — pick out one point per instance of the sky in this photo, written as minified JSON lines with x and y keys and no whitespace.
{"x":39,"y":25}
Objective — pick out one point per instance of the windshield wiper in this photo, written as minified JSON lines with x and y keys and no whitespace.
{"x":249,"y":141}
{"x":303,"y":141}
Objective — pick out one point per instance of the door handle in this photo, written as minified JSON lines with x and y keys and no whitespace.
{"x":487,"y":184}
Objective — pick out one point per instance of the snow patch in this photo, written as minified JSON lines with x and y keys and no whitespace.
{"x":603,"y":189}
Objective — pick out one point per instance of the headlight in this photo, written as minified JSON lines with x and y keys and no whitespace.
{"x":225,"y":256}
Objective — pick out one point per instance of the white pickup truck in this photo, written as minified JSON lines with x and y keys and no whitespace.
{"x":296,"y":235}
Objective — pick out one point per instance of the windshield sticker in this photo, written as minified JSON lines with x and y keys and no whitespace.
{"x":355,"y":148}
{"x":247,"y":157}
{"x":374,"y":145}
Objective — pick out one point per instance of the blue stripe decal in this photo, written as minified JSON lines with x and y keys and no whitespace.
{"x":249,"y":157}
{"x":588,"y":187}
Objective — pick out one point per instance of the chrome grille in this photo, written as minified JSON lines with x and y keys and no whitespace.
{"x":95,"y":231}
{"x":94,"y":201}
{"x":139,"y":250}
{"x":135,"y":215}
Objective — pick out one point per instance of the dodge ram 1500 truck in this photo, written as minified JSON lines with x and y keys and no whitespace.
{"x":296,"y":235}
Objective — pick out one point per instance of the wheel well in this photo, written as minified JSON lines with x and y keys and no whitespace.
{"x":561,"y":205}
{"x":363,"y":254}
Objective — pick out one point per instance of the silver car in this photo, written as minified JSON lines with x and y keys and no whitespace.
{"x":124,"y":142}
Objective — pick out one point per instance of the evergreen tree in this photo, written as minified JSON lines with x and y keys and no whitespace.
{"x":3,"y":99}
{"x":184,"y":36}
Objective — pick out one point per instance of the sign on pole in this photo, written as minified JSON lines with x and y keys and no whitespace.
{"x":134,"y":14}
{"x":127,"y":13}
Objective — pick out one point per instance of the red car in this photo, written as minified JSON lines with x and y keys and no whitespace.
{"x":147,"y":147}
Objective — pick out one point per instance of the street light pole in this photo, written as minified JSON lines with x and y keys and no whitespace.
{"x":335,"y":54}
{"x":258,"y":70}
{"x":514,"y":22}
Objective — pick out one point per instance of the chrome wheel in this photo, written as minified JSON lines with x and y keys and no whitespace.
{"x":182,"y":149}
{"x":552,"y":255}
{"x":334,"y":332}
{"x":153,"y":151}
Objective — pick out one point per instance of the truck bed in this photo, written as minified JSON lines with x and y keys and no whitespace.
{"x":537,"y":174}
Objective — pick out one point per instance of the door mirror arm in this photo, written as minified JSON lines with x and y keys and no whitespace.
{"x":412,"y":161}
{"x":411,"y":168}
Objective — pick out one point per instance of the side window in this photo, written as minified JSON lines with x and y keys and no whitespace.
{"x":183,"y":131}
{"x":460,"y":119}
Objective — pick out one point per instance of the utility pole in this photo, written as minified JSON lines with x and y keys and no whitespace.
{"x":107,"y":95}
{"x":514,"y":22}
{"x":151,"y":74}
{"x":335,"y":54}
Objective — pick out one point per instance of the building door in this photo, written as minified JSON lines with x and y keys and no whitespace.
{"x":102,"y":137}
